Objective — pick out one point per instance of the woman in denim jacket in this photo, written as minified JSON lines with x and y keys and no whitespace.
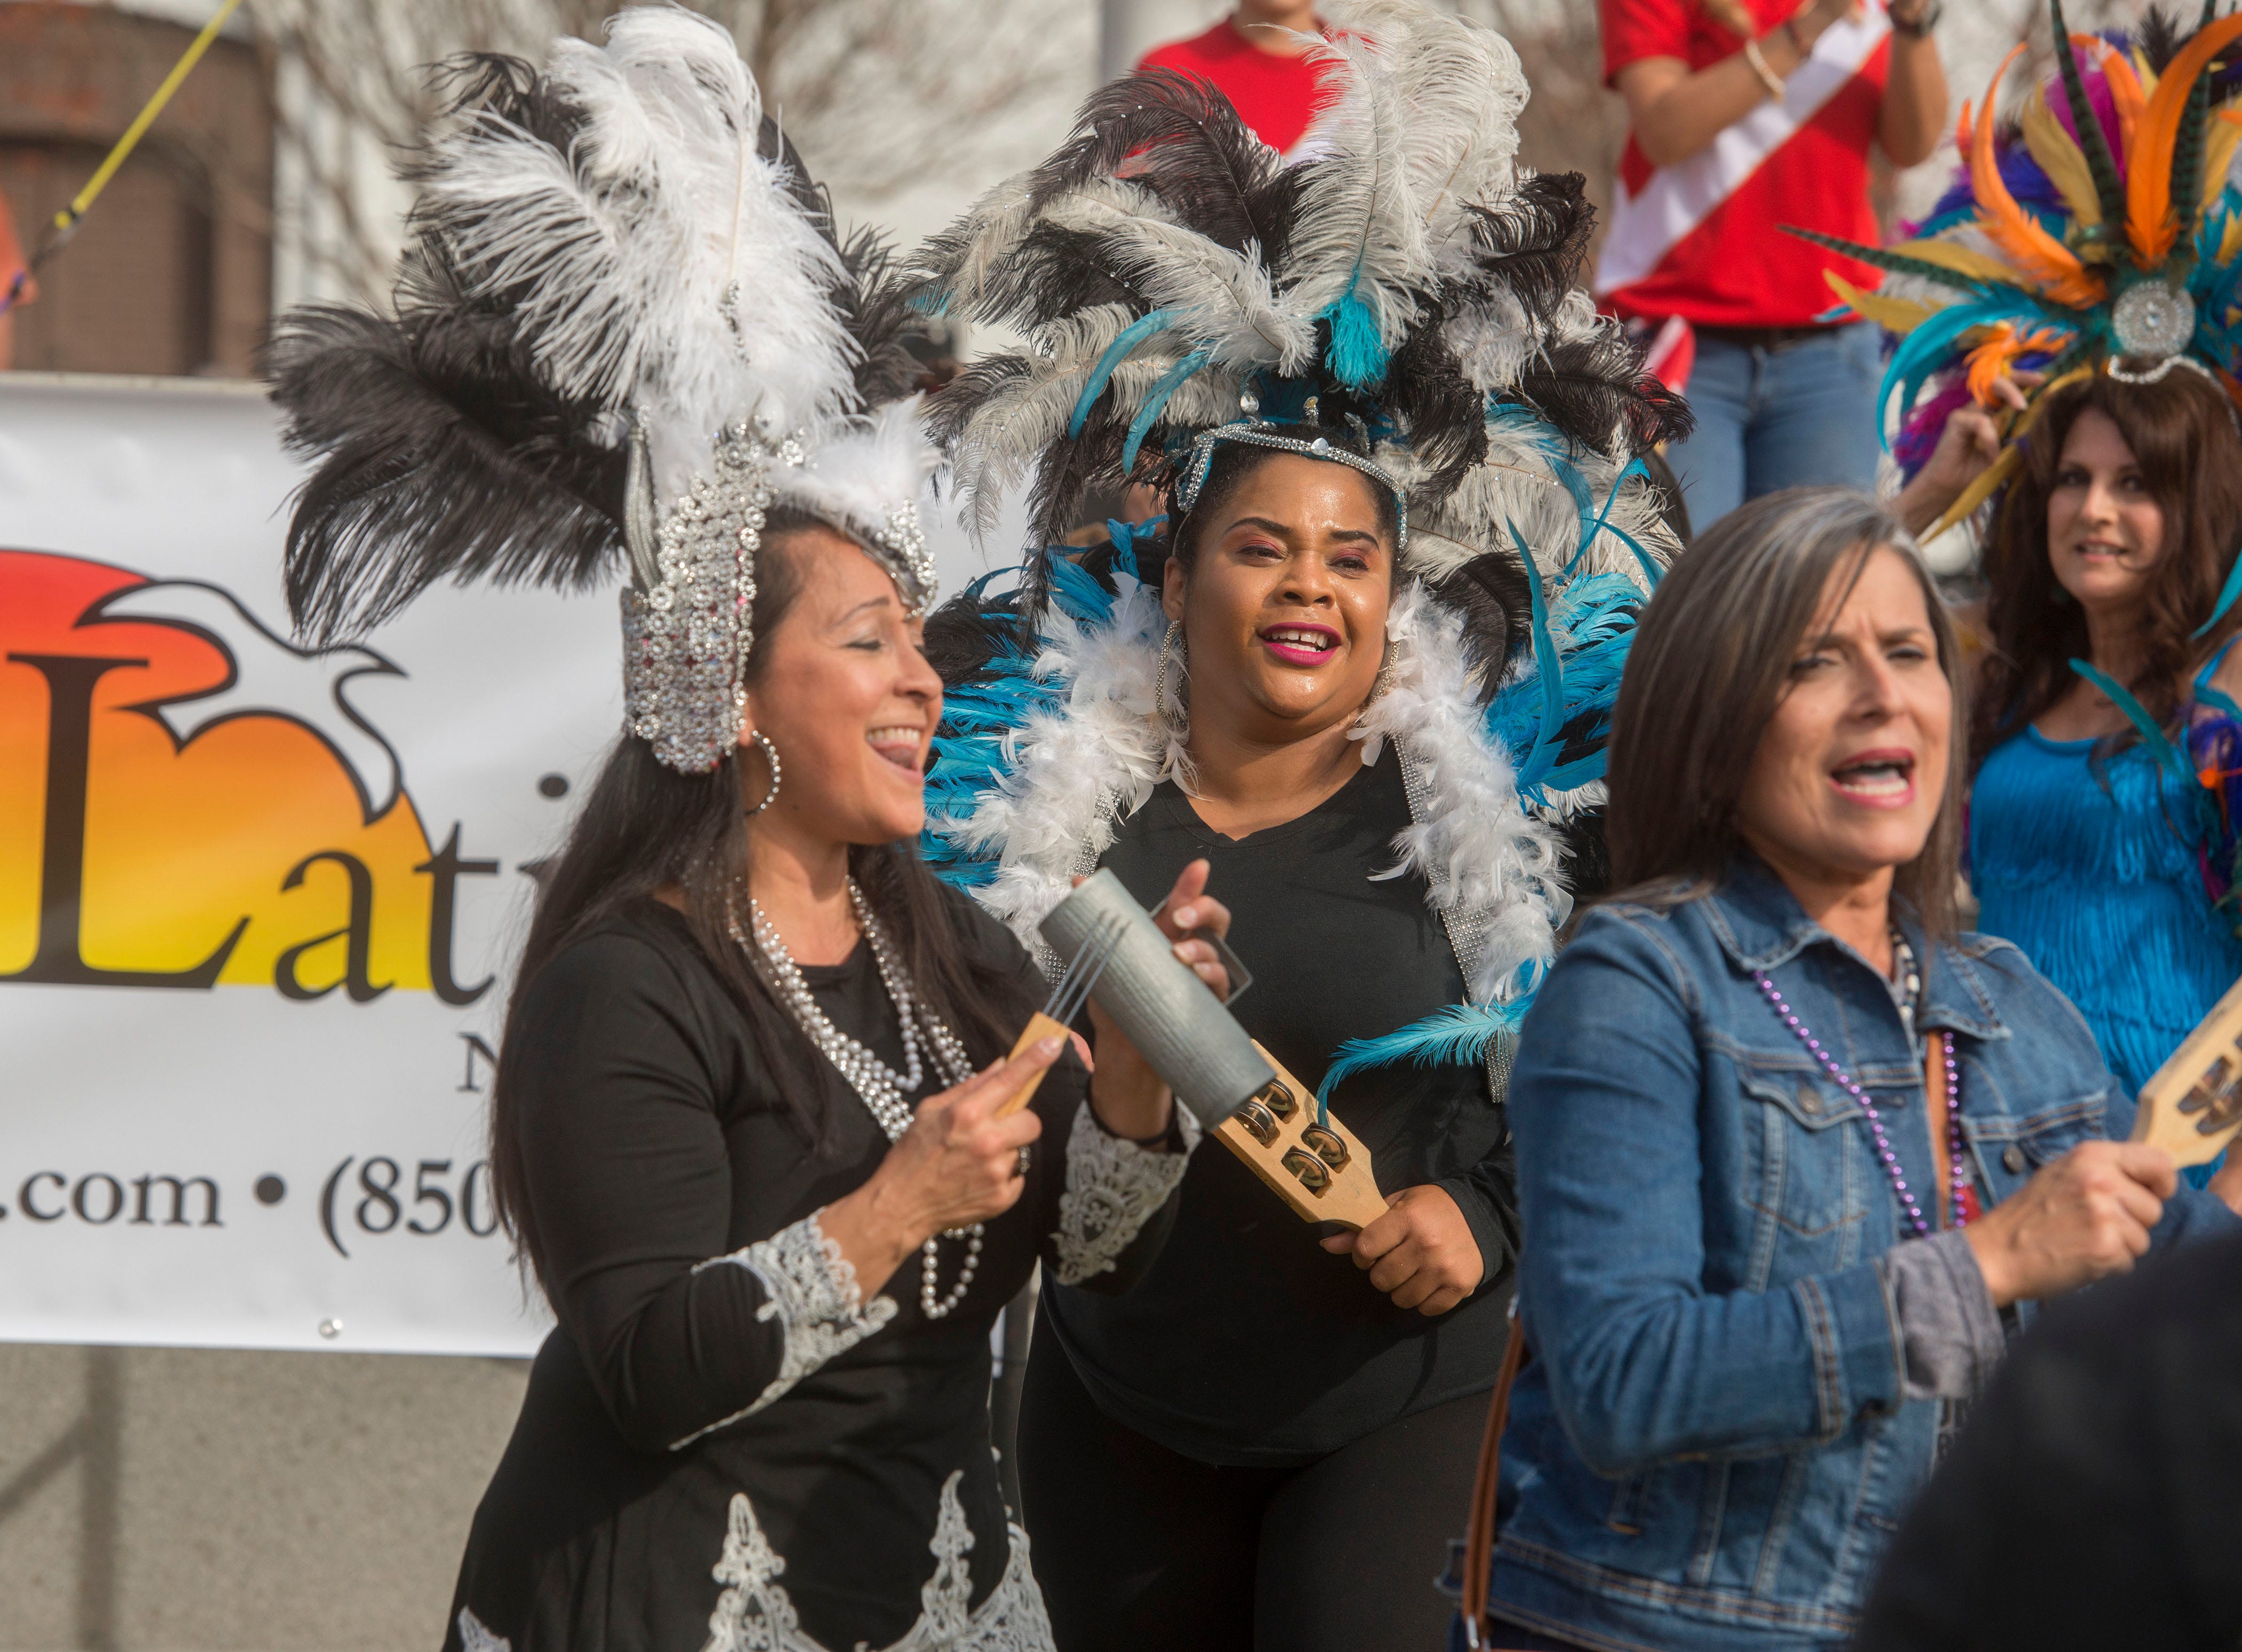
{"x":1766,"y":1265}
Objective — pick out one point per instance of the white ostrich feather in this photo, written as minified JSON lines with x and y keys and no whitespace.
{"x":1493,"y":341}
{"x":1077,"y":770}
{"x":1074,"y":768}
{"x":1472,"y":839}
{"x":1016,"y":428}
{"x":862,"y":471}
{"x":1226,"y":298}
{"x":1357,"y":230}
{"x":1463,"y":88}
{"x":1516,"y":488}
{"x":627,"y":247}
{"x":993,"y":228}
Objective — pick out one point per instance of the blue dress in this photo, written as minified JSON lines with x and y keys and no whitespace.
{"x":2086,"y":867}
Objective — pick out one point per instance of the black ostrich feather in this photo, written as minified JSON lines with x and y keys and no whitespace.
{"x":509,"y":88}
{"x":442,"y":456}
{"x":877,"y":313}
{"x":1071,"y":474}
{"x":1536,"y":241}
{"x":1589,"y":388}
{"x":1491,"y":594}
{"x":871,"y":299}
{"x":1588,"y":856}
{"x":967,"y":632}
{"x":1444,"y":417}
{"x":2159,"y":36}
{"x":1178,"y":137}
{"x":950,"y":410}
{"x":1054,"y":272}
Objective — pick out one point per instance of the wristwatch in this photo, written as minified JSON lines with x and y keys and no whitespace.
{"x":1921,"y":24}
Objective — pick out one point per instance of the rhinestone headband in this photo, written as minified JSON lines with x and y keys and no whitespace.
{"x":1256,"y":433}
{"x":900,"y":547}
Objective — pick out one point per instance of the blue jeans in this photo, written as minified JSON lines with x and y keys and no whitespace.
{"x":1773,"y":418}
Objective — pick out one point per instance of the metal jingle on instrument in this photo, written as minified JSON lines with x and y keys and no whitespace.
{"x":1279,"y":1099}
{"x":1258,"y":1120}
{"x":1325,"y":1145}
{"x":1314,"y":1173}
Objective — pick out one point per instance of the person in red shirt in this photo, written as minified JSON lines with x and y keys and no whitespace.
{"x":1255,"y":57}
{"x":1746,"y":117}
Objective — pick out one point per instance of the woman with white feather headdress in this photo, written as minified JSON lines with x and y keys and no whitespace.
{"x":1364,"y":667}
{"x":738,"y":1133}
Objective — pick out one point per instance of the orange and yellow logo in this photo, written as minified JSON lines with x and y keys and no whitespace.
{"x":188,"y":800}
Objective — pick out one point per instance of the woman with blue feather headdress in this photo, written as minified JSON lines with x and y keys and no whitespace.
{"x":1361,"y":671}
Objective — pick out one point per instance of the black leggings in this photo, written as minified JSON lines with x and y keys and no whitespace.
{"x":1139,"y":1546}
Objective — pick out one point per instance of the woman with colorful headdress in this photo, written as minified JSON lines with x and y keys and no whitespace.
{"x":746,"y":1129}
{"x":1363,"y":667}
{"x":2070,"y":314}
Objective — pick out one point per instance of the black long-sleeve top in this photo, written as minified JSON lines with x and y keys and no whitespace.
{"x":1247,"y":1343}
{"x":721,"y":1394}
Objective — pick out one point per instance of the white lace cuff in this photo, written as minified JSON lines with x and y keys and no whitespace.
{"x":811,"y":1291}
{"x":1112,"y":1188}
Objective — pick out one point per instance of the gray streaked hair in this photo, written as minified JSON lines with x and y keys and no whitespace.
{"x":1710,"y":661}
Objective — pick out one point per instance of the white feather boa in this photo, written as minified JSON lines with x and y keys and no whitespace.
{"x":1075,"y":772}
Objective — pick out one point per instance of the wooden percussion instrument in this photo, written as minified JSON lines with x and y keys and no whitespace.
{"x":2192,"y":1105}
{"x":1321,"y":1170}
{"x":1235,"y":1088}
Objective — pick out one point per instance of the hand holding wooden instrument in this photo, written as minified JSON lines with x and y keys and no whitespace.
{"x":1067,"y":995}
{"x":1231,"y":1084}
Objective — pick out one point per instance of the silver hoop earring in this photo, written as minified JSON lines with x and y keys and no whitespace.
{"x":770,"y":753}
{"x":1160,"y":680}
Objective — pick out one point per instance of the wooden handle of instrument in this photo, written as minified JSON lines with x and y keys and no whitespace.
{"x":1041,"y":1027}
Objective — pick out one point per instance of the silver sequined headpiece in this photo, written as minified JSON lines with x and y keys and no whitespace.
{"x":689,"y":614}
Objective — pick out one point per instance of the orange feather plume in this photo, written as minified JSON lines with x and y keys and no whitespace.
{"x":2037,"y":256}
{"x":2151,"y":222}
{"x":2125,"y":94}
{"x":2002,"y":345}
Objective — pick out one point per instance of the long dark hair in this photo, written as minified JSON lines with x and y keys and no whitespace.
{"x":2181,"y":430}
{"x":644,"y":827}
{"x":1710,"y":661}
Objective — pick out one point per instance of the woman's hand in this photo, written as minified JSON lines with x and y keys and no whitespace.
{"x":1420,"y":1252}
{"x":2086,"y":1215}
{"x":1970,"y":442}
{"x":1130,"y":1099}
{"x":957,"y":1163}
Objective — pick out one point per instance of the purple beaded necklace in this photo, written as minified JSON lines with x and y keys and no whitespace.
{"x":1956,"y":1148}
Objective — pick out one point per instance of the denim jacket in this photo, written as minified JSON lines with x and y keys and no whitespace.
{"x":1715,"y":1437}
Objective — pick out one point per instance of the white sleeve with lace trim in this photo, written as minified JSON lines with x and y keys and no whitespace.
{"x":811,"y":1290}
{"x":1112,"y":1188}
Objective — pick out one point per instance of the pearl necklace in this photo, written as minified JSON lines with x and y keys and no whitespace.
{"x":1957,"y":1146}
{"x":881,"y":1087}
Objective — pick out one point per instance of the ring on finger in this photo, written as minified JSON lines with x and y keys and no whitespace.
{"x":1021,"y":1161}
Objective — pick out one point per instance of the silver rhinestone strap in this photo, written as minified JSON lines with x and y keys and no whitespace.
{"x":686,"y":641}
{"x":1254,"y":432}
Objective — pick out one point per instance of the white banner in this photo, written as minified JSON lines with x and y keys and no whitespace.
{"x":258,"y":905}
